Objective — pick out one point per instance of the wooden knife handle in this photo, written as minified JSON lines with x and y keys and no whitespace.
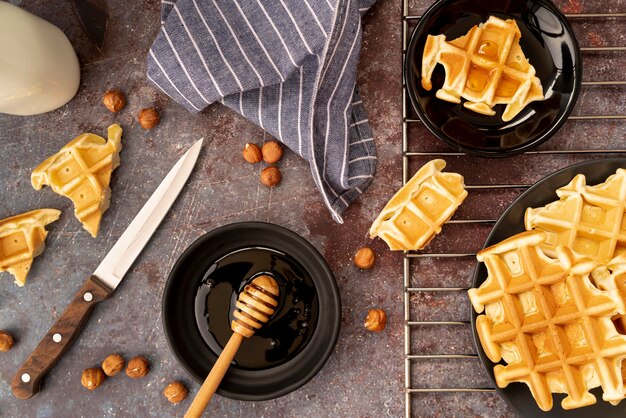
{"x":58,"y":340}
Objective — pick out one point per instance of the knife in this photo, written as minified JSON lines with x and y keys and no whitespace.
{"x":105,"y":279}
{"x":92,"y":17}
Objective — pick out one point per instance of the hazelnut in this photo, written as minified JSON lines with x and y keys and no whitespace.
{"x":6,"y":341}
{"x":272,"y":152}
{"x":114,"y":100}
{"x":175,"y":392}
{"x":252,"y":153}
{"x":92,"y":378}
{"x":113,"y":364}
{"x":137,"y":367}
{"x":376,"y":320}
{"x":148,"y":118}
{"x":364,"y":258}
{"x":271,"y":176}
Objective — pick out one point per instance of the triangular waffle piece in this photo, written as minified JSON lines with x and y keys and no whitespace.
{"x":81,"y":171}
{"x":548,"y":322}
{"x":486,"y":67}
{"x":588,"y":219}
{"x":415,"y":214}
{"x":22,"y":238}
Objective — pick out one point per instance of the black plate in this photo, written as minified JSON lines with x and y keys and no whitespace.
{"x":186,"y":341}
{"x":547,"y":41}
{"x":510,"y":223}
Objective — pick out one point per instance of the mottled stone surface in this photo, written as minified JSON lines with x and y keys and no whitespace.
{"x":365,"y":375}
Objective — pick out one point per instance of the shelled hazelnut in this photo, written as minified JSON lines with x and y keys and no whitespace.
{"x":137,"y":367}
{"x":252,"y":153}
{"x":270,"y":176}
{"x":175,"y":392}
{"x":148,"y":118}
{"x":92,"y":378}
{"x":114,"y":100}
{"x":113,"y":364}
{"x":376,"y":320}
{"x":6,"y":341}
{"x":364,"y":258}
{"x":272,"y":152}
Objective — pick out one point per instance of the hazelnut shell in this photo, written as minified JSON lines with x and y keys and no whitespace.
{"x":271,"y":177}
{"x":6,"y":341}
{"x":252,"y":153}
{"x":148,"y":118}
{"x":114,"y":100}
{"x":365,"y":258}
{"x":92,"y":378}
{"x":137,"y":367}
{"x":272,"y":152}
{"x":376,"y":320}
{"x":113,"y":364}
{"x":175,"y":392}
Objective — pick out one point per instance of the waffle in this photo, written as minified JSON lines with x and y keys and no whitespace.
{"x":612,"y":279}
{"x":486,"y":67}
{"x":22,"y":238}
{"x":415,"y":214}
{"x":81,"y":171}
{"x":548,"y":322}
{"x":587,"y":219}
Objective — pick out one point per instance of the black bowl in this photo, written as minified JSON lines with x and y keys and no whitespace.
{"x":547,"y":41}
{"x":518,"y":395}
{"x":192,"y":350}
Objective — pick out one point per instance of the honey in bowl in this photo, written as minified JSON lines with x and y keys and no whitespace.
{"x":285,"y":334}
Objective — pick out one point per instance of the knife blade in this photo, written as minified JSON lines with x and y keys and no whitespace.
{"x":119,"y":259}
{"x":92,"y":17}
{"x":108,"y":275}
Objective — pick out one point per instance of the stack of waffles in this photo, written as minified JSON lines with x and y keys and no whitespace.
{"x":554,"y":301}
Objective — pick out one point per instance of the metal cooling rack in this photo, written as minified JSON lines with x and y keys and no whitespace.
{"x":409,"y":119}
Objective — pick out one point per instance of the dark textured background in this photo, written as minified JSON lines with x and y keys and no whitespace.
{"x":364,"y":377}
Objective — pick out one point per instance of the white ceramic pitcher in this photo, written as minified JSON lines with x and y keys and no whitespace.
{"x":39,"y":70}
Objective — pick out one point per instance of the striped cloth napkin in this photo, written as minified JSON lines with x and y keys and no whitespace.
{"x":287,"y":65}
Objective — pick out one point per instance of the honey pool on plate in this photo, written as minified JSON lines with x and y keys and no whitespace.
{"x":286,"y":333}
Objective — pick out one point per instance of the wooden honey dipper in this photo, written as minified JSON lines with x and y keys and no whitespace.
{"x":254,"y":305}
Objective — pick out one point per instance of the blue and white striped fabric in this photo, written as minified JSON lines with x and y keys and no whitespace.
{"x":287,"y":65}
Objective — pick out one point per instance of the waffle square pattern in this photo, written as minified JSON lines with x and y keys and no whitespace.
{"x":592,"y":221}
{"x":81,"y":171}
{"x":22,"y":238}
{"x":588,"y":219}
{"x":545,"y":318}
{"x":415,"y":214}
{"x":486,"y":67}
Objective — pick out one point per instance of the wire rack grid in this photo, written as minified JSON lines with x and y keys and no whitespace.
{"x":409,"y":119}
